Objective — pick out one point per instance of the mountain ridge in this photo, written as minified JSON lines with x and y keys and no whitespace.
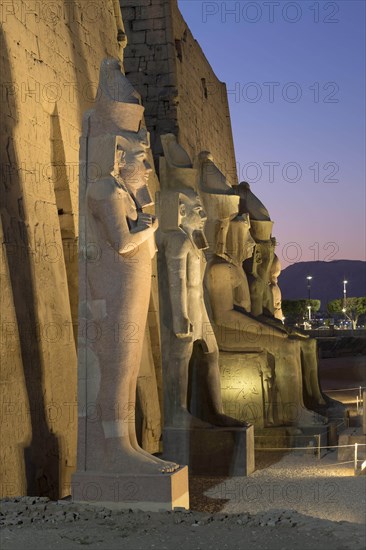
{"x":327,"y":280}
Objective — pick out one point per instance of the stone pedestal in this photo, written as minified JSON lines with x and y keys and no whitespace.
{"x":245,"y":390}
{"x":295,"y":437}
{"x":211,"y":452}
{"x":350,"y":437}
{"x":333,"y":433}
{"x":136,"y":492}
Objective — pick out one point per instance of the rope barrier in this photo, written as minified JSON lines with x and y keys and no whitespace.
{"x":347,"y":389}
{"x":310,"y":448}
{"x":325,"y":447}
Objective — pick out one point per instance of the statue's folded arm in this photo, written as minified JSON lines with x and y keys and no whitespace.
{"x":109,"y":207}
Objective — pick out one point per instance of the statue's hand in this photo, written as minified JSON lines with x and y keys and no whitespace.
{"x":183,"y":328}
{"x":145,"y":221}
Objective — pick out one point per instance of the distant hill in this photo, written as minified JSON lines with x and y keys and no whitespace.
{"x":327,"y":281}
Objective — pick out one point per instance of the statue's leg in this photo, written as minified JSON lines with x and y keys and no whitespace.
{"x":165,"y":465}
{"x":310,"y":371}
{"x":318,"y":401}
{"x":289,"y":383}
{"x":256,"y":297}
{"x":119,"y":356}
{"x":175,"y":379}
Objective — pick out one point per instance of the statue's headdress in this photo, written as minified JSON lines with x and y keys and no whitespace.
{"x":250,"y":203}
{"x":117,"y":104}
{"x":218,"y":196}
{"x":177,"y":177}
{"x":261,"y":230}
{"x":117,"y":113}
{"x":219,"y":200}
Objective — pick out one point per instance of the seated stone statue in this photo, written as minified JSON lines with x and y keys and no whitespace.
{"x":314,"y":398}
{"x":228,"y":291}
{"x":185,"y":322}
{"x":259,"y":269}
{"x":237,"y":330}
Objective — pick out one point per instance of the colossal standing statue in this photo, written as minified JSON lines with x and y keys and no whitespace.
{"x":117,"y":245}
{"x":186,"y":328}
{"x":182,"y":263}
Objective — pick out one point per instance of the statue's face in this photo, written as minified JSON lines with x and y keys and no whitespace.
{"x":133,"y":166}
{"x":193,"y":216}
{"x":240,"y":243}
{"x":267,"y":253}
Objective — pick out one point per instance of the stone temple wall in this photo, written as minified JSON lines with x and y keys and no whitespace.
{"x":180,"y":91}
{"x":50,"y":57}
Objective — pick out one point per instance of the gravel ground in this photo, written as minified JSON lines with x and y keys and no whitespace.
{"x":291,"y":501}
{"x":323,"y":489}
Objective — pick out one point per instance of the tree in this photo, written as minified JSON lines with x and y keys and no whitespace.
{"x":296,"y":310}
{"x":351,"y":307}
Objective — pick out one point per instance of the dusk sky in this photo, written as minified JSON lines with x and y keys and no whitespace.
{"x":295,"y":76}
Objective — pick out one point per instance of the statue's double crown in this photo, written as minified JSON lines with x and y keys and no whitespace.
{"x":117,"y":107}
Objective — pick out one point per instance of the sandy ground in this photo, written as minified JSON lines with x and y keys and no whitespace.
{"x":293,"y":500}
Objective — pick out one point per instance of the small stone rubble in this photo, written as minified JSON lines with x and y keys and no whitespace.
{"x":38,"y":523}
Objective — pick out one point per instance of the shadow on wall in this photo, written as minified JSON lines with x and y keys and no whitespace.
{"x":65,"y":214}
{"x":85,"y":87}
{"x":41,"y":451}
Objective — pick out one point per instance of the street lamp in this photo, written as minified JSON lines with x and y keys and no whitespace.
{"x":344,"y":308}
{"x":344,"y":293}
{"x":309,"y":309}
{"x":309,"y":278}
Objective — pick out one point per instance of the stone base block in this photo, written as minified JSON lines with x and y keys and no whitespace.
{"x":137,"y":492}
{"x":211,"y":452}
{"x":350,"y":437}
{"x":333,"y":432}
{"x":318,"y":435}
{"x":292,"y":438}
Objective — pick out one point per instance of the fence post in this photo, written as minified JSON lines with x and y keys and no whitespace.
{"x":319,"y":441}
{"x":356,"y":445}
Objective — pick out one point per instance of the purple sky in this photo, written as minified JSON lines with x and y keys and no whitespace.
{"x":295,"y":77}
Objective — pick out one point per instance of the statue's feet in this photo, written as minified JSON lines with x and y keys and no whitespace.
{"x":320,"y":401}
{"x":168,"y":466}
{"x":332,"y":408}
{"x":329,"y":402}
{"x":120,"y":457}
{"x":316,"y":403}
{"x":311,"y":418}
{"x":183,"y":419}
{"x":300,"y":416}
{"x":223,"y":421}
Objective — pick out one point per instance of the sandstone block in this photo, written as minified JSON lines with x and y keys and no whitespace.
{"x":138,"y":37}
{"x":136,"y":492}
{"x":156,"y":37}
{"x":212,"y":452}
